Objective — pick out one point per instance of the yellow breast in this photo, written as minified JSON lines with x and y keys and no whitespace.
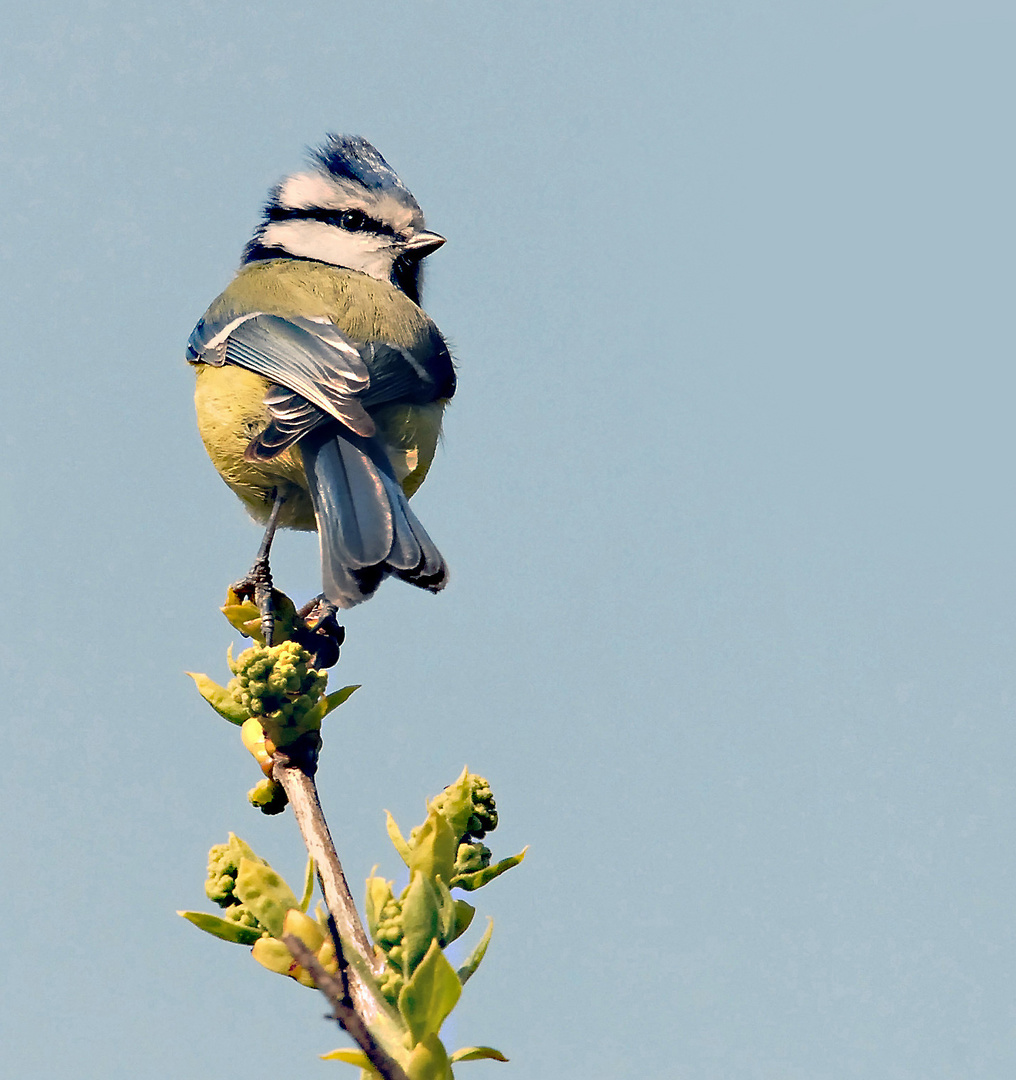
{"x":230,"y":413}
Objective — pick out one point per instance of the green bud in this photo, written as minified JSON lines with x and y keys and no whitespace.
{"x":268,"y":796}
{"x":379,"y":895}
{"x":471,"y":857}
{"x":241,"y":915}
{"x":389,"y":933}
{"x":223,"y":867}
{"x":278,"y":686}
{"x":391,"y":983}
{"x":484,"y":817}
{"x":468,"y":806}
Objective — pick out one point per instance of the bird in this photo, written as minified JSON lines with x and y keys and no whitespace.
{"x":321,"y":382}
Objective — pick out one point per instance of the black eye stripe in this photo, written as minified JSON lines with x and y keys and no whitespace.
{"x":327,"y":217}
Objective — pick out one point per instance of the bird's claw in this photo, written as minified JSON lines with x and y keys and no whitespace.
{"x":257,"y":586}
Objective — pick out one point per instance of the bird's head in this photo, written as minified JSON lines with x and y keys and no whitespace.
{"x":350,"y":210}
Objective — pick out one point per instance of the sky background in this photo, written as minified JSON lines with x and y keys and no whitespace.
{"x":727,"y":494}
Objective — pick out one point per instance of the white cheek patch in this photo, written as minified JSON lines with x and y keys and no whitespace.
{"x":327,"y":243}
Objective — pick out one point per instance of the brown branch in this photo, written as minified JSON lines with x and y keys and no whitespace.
{"x":302,"y":793}
{"x":338,"y":992}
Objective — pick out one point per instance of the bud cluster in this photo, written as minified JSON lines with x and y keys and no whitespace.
{"x":260,"y":909}
{"x":388,"y":937}
{"x":469,"y":808}
{"x":276,"y":682}
{"x":220,"y":884}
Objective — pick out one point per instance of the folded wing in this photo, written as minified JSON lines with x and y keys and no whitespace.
{"x":322,"y":383}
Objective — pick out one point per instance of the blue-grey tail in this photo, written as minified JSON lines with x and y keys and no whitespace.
{"x":366,"y":529}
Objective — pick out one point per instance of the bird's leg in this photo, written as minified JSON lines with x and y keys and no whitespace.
{"x":258,"y":582}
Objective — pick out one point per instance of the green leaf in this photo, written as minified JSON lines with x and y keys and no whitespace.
{"x":286,"y":617}
{"x":397,"y":839}
{"x":219,"y":698}
{"x":379,"y":892}
{"x":243,"y":849}
{"x":300,"y":925}
{"x":420,"y":921}
{"x":463,"y":917}
{"x":430,"y":994}
{"x":265,"y":894}
{"x":433,"y":848}
{"x":308,"y":886}
{"x":224,"y":929}
{"x":272,"y":954}
{"x":466,"y":971}
{"x":339,"y":697}
{"x":458,"y":803}
{"x":321,"y":914}
{"x":314,"y":716}
{"x":445,"y":911}
{"x":470,"y":882}
{"x":429,"y":1061}
{"x":351,"y":1057}
{"x":244,"y":616}
{"x":477,"y":1053}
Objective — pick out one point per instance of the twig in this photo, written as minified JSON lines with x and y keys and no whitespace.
{"x":344,"y":1009}
{"x":302,"y":793}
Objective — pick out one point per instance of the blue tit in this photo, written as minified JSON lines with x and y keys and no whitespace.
{"x":321,"y":382}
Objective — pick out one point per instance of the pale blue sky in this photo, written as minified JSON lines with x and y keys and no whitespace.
{"x":727,"y":494}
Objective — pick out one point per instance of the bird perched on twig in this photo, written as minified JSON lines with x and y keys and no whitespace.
{"x":321,"y":382}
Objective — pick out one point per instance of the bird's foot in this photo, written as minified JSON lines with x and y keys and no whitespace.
{"x":257,"y":586}
{"x":321,"y":635}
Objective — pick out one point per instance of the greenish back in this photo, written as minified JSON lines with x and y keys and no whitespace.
{"x":361,"y":306}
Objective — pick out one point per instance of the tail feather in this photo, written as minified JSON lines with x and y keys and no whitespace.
{"x":428,"y":571}
{"x":365,"y":526}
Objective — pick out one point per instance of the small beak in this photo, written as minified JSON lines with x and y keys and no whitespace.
{"x":424,"y":243}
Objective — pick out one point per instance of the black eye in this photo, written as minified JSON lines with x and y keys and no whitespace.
{"x":352,"y":220}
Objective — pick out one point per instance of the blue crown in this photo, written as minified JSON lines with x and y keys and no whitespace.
{"x":350,"y":157}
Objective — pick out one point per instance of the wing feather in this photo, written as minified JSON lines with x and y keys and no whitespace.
{"x":322,"y":385}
